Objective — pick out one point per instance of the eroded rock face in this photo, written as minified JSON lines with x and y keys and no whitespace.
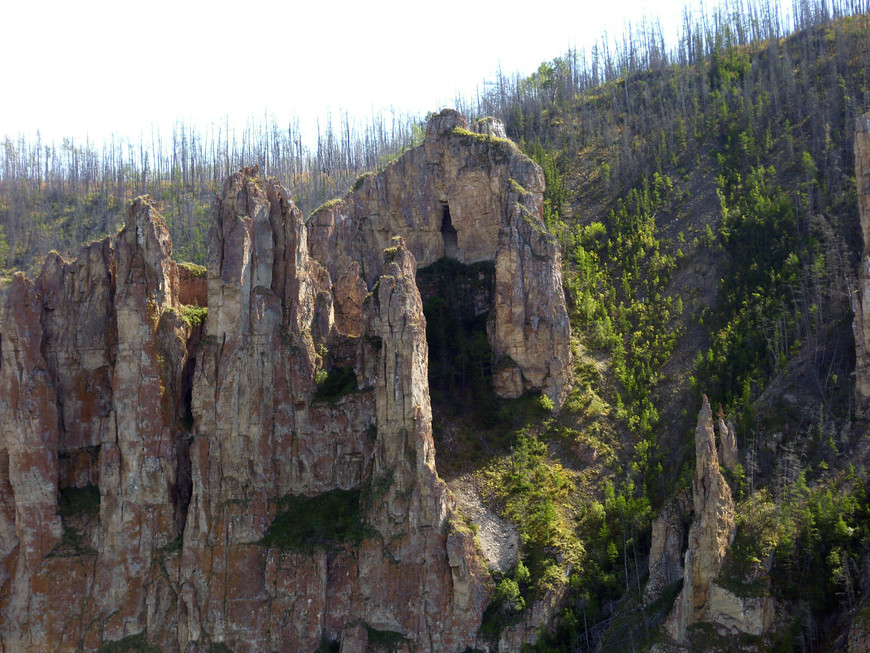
{"x":861,"y":297}
{"x":709,"y":535}
{"x":93,"y":358}
{"x":468,"y":194}
{"x":703,"y":597}
{"x":29,"y":524}
{"x":192,"y":440}
{"x":666,"y":547}
{"x":727,"y":444}
{"x":732,"y":614}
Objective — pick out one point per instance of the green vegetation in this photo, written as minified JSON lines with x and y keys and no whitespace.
{"x":219,"y":647}
{"x":327,"y":520}
{"x":197,"y":271}
{"x":335,"y":384}
{"x":384,"y":641}
{"x":538,"y":496}
{"x":175,"y":545}
{"x":193,"y":315}
{"x":72,"y":544}
{"x":360,"y":180}
{"x":79,"y":501}
{"x":330,"y":204}
{"x":485,"y":139}
{"x":129,"y":644}
{"x":328,"y":646}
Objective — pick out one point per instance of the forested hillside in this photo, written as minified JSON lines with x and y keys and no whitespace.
{"x":54,"y":196}
{"x":704,"y":196}
{"x":705,"y":201}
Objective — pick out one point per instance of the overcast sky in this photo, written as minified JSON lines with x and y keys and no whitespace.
{"x":94,"y":67}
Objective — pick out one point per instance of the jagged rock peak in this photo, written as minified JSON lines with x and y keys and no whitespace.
{"x":145,"y":253}
{"x":443,"y":122}
{"x":710,"y":533}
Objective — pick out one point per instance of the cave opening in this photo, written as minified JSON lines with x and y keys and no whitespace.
{"x":448,"y":233}
{"x":470,"y":422}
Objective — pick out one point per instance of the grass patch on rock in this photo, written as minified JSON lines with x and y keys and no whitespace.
{"x":130,"y":644}
{"x":328,"y":520}
{"x":79,"y":501}
{"x":338,"y":382}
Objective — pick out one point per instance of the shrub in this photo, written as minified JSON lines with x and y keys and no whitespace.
{"x":327,"y":520}
{"x":335,"y":383}
{"x":79,"y":501}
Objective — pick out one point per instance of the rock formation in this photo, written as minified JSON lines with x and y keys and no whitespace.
{"x":469,"y":194}
{"x":666,"y":547}
{"x":727,"y":443}
{"x":146,"y":460}
{"x":710,"y":533}
{"x":702,"y":599}
{"x":149,"y":464}
{"x":861,"y":297}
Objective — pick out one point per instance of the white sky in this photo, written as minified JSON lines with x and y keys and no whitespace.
{"x":94,"y":67}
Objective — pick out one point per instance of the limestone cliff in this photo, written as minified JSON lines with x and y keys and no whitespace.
{"x":145,"y":461}
{"x":861,"y":297}
{"x":469,"y":194}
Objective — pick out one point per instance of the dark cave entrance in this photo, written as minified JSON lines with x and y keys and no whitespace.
{"x":448,"y":233}
{"x":456,"y":302}
{"x":470,"y":422}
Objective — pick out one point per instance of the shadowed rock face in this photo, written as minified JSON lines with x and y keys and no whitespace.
{"x":96,"y":371}
{"x":469,"y":194}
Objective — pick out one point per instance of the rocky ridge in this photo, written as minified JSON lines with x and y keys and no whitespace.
{"x":147,"y":462}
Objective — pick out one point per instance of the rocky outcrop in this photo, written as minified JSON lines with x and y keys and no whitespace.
{"x":29,"y":523}
{"x":859,"y":631}
{"x":727,"y":443}
{"x":734,"y":615}
{"x":861,"y":296}
{"x":469,"y":194}
{"x":412,"y":510}
{"x":101,"y":351}
{"x":149,"y":464}
{"x":709,"y":535}
{"x":666,"y":547}
{"x":704,"y":597}
{"x":190,"y":446}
